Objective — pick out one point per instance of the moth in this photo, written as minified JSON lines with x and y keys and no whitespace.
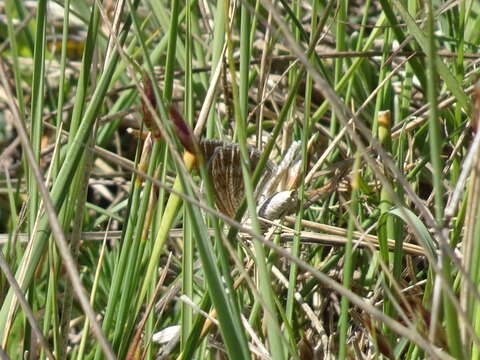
{"x":225,"y":171}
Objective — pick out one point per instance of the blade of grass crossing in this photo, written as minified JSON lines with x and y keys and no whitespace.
{"x":386,"y":225}
{"x":349,"y":261}
{"x":473,"y":306}
{"x":240,"y":100}
{"x":193,"y":339}
{"x":63,"y":62}
{"x":85,"y":71}
{"x":73,"y":208}
{"x":454,"y":341}
{"x":340,"y":40}
{"x":76,"y":206}
{"x":217,"y":48}
{"x":188,"y":246}
{"x":38,"y":88}
{"x":459,"y":75}
{"x":51,"y":320}
{"x":172,"y":43}
{"x":292,"y":283}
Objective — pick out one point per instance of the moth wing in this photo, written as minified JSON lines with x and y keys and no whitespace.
{"x":225,"y":171}
{"x":226,"y":174}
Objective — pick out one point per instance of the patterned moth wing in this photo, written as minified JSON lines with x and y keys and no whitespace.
{"x":224,"y":168}
{"x":209,"y":146}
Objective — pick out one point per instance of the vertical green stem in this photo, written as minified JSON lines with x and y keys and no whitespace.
{"x":451,"y":319}
{"x":340,"y":36}
{"x":172,"y":44}
{"x":38,"y":88}
{"x":240,"y":101}
{"x":348,"y":264}
{"x":188,"y":245}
